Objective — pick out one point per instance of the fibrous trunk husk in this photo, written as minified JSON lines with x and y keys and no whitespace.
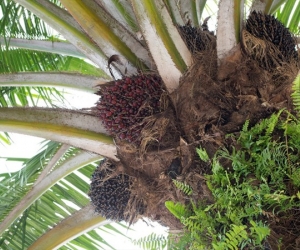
{"x":211,"y":101}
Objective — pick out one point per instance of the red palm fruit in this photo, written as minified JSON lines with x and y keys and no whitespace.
{"x":123,"y":101}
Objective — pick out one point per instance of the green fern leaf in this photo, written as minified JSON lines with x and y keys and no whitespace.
{"x":235,"y":236}
{"x":202,"y":154}
{"x":272,"y":122}
{"x":245,"y":126}
{"x":185,"y":188}
{"x":192,"y":225}
{"x":152,"y":241}
{"x":178,"y":209}
{"x":296,"y":93}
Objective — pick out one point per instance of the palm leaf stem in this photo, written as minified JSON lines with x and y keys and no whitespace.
{"x":60,"y":12}
{"x":267,"y":6}
{"x":52,"y":79}
{"x":156,"y":26}
{"x":94,"y":20}
{"x":38,"y":190}
{"x":124,"y":13}
{"x":189,"y":12}
{"x":229,"y":25}
{"x":71,"y":33}
{"x":66,"y":126}
{"x":175,"y":13}
{"x":78,"y":223}
{"x":160,"y":18}
{"x":63,"y":48}
{"x":54,"y":160}
{"x":238,"y":18}
{"x":260,"y":6}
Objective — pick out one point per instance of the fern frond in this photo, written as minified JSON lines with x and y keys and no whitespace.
{"x":261,"y":231}
{"x":273,"y":121}
{"x":262,"y":131}
{"x":202,"y":154}
{"x":296,"y":93}
{"x":234,"y":237}
{"x":192,"y":225}
{"x":178,"y":209}
{"x":245,"y":126}
{"x":185,"y":188}
{"x":152,"y":241}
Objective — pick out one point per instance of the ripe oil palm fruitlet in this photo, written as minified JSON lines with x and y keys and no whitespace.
{"x":166,"y":84}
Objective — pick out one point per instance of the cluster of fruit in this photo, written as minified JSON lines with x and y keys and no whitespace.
{"x":110,"y":196}
{"x":126,"y":102}
{"x":192,"y":38}
{"x":268,"y":28}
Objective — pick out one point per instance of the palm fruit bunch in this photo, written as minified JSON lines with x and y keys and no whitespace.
{"x":197,"y":39}
{"x":268,"y":28}
{"x":124,"y":104}
{"x":192,"y":38}
{"x":110,"y":194}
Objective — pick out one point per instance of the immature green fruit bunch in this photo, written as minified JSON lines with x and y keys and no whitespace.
{"x":268,"y":28}
{"x":110,"y":194}
{"x":126,"y":102}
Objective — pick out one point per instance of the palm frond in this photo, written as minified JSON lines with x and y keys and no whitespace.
{"x":72,"y":81}
{"x":99,"y":22}
{"x":18,"y":60}
{"x":51,"y":45}
{"x":289,"y":15}
{"x":17,"y":184}
{"x":47,"y":183}
{"x":59,"y":18}
{"x":60,"y":125}
{"x":17,"y":21}
{"x":124,"y":13}
{"x":4,"y":138}
{"x":51,"y":208}
{"x":22,"y":60}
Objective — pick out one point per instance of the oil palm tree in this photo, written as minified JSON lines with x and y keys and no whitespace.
{"x":121,"y":39}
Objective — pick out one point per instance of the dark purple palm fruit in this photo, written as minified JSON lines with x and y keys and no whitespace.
{"x":126,"y":102}
{"x":110,"y":193}
{"x":192,"y":38}
{"x":268,"y":28}
{"x":196,"y":38}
